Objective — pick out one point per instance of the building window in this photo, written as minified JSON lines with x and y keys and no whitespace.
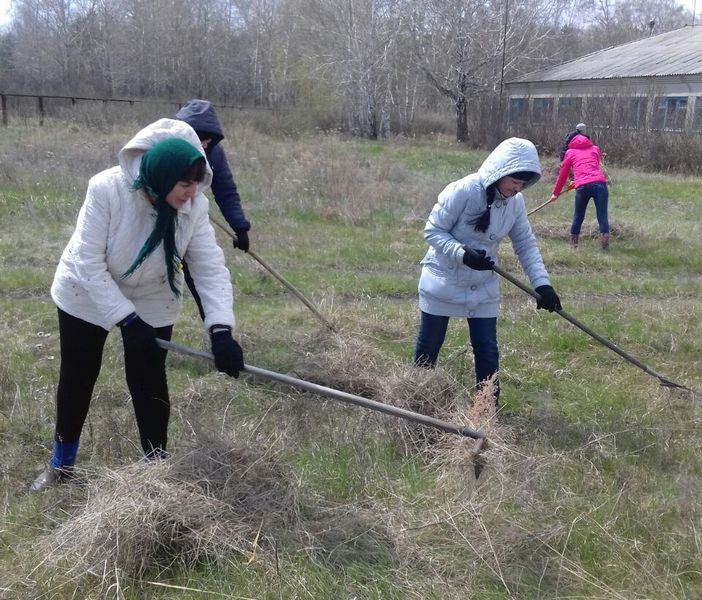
{"x":631,"y":112}
{"x":570,"y":112}
{"x":518,"y":110}
{"x":669,"y":113}
{"x":697,"y":121}
{"x":600,"y":111}
{"x":542,"y":110}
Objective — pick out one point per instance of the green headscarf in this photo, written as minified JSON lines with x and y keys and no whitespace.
{"x":162,"y":166}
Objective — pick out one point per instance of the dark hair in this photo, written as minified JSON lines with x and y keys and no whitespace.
{"x":195,"y":172}
{"x":214,"y":137}
{"x":482,"y":222}
{"x":525,"y":176}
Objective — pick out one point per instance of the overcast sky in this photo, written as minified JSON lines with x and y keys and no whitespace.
{"x":4,"y":10}
{"x":689,"y":4}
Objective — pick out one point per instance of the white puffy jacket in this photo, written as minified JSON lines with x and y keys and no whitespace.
{"x":446,"y":286}
{"x":113,"y":225}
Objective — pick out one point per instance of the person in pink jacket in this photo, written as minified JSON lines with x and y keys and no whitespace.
{"x":583,"y":159}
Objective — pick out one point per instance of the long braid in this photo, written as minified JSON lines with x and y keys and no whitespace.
{"x":482,"y":222}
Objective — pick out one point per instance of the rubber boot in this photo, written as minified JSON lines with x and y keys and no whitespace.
{"x":604,"y":241}
{"x":60,"y":468}
{"x":574,"y":240}
{"x":51,"y":478}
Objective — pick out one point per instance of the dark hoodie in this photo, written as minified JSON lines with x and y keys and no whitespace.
{"x":201,"y":116}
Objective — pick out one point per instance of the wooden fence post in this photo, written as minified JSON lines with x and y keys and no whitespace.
{"x":40,"y":103}
{"x":3,"y":104}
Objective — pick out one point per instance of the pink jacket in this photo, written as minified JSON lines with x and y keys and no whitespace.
{"x":583,"y":158}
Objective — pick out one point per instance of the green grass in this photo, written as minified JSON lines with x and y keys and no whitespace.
{"x":592,"y":484}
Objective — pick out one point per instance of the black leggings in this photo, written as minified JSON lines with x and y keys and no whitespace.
{"x":82,"y":344}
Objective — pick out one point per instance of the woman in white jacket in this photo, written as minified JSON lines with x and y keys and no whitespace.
{"x":464,"y":230}
{"x":122,"y":267}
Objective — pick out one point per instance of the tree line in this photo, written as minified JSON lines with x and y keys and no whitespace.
{"x":371,"y":67}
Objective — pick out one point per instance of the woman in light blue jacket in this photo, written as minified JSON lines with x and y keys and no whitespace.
{"x":464,"y":230}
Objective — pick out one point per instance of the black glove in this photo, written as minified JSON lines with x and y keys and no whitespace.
{"x":477,"y":259}
{"x":228,"y":355}
{"x":548,"y":298}
{"x":242,"y":240}
{"x":139,"y":336}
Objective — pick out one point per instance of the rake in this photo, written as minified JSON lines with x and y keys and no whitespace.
{"x":664,"y":381}
{"x":479,"y":436}
{"x":549,"y":201}
{"x":278,"y":276}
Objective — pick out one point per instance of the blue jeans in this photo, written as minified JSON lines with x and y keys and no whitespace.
{"x":600,"y":195}
{"x":483,"y":339}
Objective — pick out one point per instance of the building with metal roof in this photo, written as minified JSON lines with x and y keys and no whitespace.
{"x":654,"y":83}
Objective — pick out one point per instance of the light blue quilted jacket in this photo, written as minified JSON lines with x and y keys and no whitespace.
{"x":446,"y":286}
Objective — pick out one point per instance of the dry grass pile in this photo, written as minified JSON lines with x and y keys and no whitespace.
{"x":209,"y":504}
{"x":344,"y":363}
{"x":436,"y":394}
{"x":456,"y":453}
{"x":430,"y":392}
{"x":247,"y":476}
{"x":349,"y":365}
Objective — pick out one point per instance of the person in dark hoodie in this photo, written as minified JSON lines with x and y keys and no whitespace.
{"x":583,"y":159}
{"x":201,"y":116}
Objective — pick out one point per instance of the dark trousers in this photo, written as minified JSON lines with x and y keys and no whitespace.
{"x":483,"y":339}
{"x":600,"y":196}
{"x":81,"y":346}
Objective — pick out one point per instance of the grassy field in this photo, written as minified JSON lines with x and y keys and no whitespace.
{"x":592,"y":483}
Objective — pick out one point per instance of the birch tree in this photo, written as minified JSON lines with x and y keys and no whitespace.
{"x":349,"y":43}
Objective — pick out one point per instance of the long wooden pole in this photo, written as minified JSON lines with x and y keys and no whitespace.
{"x":278,"y":276}
{"x":602,"y":340}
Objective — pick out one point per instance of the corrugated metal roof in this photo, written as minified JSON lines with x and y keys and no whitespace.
{"x":677,"y":52}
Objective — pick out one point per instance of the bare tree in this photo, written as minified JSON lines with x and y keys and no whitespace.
{"x":465,"y":49}
{"x":378,"y":63}
{"x":349,"y":43}
{"x":606,"y":23}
